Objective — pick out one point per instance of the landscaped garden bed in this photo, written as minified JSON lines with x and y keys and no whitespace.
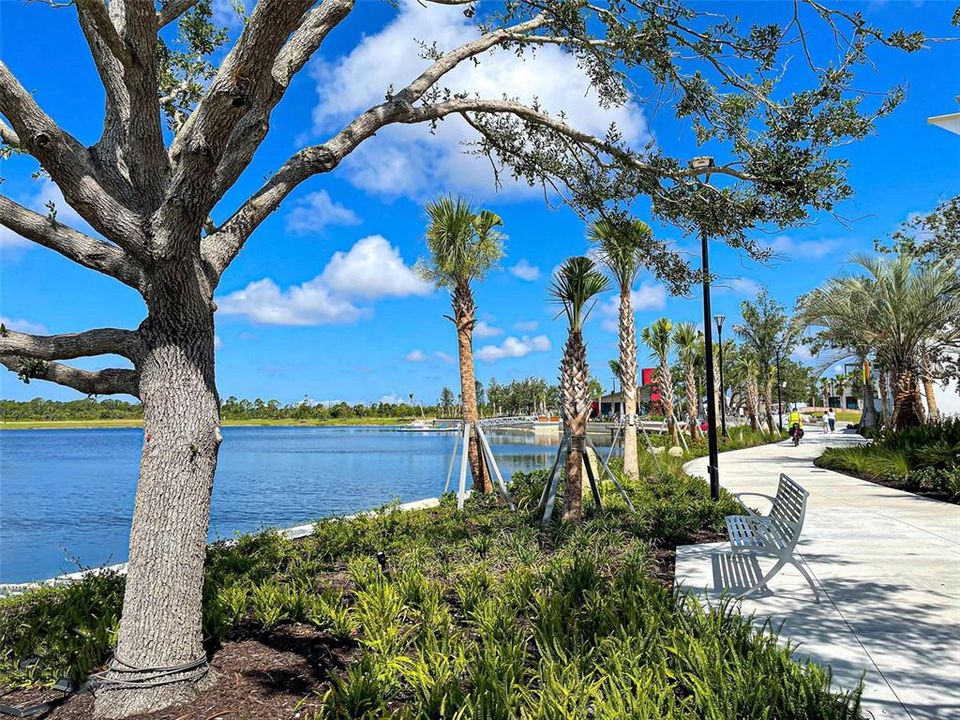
{"x":923,"y":460}
{"x":476,"y":614}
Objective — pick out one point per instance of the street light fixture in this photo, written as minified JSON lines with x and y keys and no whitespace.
{"x":704,"y":164}
{"x":723,"y":398}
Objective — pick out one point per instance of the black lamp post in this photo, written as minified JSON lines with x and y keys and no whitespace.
{"x":779,"y":401}
{"x":723,"y":399}
{"x":704,"y":165}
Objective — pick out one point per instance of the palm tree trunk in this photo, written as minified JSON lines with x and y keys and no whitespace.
{"x":752,"y":399}
{"x":906,"y":412}
{"x":768,"y":399}
{"x":575,"y":400}
{"x":628,"y":384}
{"x":665,"y":383}
{"x":869,"y":418}
{"x":884,"y":406}
{"x":933,"y":412}
{"x":691,"y":399}
{"x":463,"y":314}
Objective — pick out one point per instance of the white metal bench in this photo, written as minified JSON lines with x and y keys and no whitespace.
{"x":775,"y":534}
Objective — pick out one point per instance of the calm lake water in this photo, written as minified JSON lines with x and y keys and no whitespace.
{"x":66,"y":496}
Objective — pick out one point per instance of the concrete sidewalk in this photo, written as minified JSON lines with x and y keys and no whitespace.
{"x":887,"y":563}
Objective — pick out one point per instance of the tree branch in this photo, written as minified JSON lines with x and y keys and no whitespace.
{"x":8,"y":136}
{"x":173,"y":9}
{"x":82,"y":249}
{"x":93,"y":14}
{"x":242,"y":83}
{"x":110,"y":381}
{"x":102,"y":341}
{"x":252,"y":129}
{"x":68,"y":164}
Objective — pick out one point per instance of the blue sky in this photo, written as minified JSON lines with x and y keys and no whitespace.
{"x":323,"y":301}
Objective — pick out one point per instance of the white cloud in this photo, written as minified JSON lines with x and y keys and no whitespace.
{"x":645,"y":298}
{"x":415,"y":356}
{"x":371,"y":269}
{"x":24,"y":326}
{"x":484,"y":329}
{"x":738,"y":286}
{"x":513,"y":347}
{"x":392,"y":399}
{"x":444,"y":357}
{"x":804,"y":249}
{"x":414,"y":161}
{"x":217,"y":342}
{"x":528,"y":326}
{"x":525,"y":271}
{"x":313,"y":212}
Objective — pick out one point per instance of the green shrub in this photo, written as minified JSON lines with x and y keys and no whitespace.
{"x":52,"y":633}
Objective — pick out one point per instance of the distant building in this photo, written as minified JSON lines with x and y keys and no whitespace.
{"x":647,"y":395}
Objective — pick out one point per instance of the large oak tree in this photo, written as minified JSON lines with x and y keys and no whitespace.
{"x":153,"y":196}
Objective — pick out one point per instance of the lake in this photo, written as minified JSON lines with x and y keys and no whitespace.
{"x":66,"y":496}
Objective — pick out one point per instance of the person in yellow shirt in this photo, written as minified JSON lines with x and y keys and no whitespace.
{"x":796,"y":425}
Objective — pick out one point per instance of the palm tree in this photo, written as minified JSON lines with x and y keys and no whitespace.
{"x":687,"y":340}
{"x":619,"y":248}
{"x":765,"y":330}
{"x":617,"y":369}
{"x":464,"y":246}
{"x":906,"y":309}
{"x":747,"y":367}
{"x":658,"y":338}
{"x":576,"y":283}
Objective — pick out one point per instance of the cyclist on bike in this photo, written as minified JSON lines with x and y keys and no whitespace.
{"x":796,"y":425}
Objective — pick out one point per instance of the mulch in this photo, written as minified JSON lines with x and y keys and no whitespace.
{"x":277,"y":675}
{"x":273,"y":676}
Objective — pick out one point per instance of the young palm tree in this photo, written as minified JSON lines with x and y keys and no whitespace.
{"x":464,"y":245}
{"x":576,"y":283}
{"x":688,"y":341}
{"x":765,"y":330}
{"x":658,"y":337}
{"x":748,"y":369}
{"x":619,"y":248}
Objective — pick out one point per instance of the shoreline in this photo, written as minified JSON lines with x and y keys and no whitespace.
{"x":137,"y":423}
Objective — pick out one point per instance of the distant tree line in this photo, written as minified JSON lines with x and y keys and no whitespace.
{"x":232,"y":409}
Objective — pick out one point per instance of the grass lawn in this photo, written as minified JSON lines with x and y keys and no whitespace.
{"x":479,"y":614}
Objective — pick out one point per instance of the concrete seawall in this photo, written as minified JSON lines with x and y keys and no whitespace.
{"x":293,"y":533}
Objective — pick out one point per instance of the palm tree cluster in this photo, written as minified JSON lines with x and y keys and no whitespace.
{"x":902,"y":316}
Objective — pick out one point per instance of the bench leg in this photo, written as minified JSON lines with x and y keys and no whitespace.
{"x":762,"y":582}
{"x":765,"y":579}
{"x":806,"y":576}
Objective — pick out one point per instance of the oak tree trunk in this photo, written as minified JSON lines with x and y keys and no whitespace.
{"x":161,"y":622}
{"x":463,"y":314}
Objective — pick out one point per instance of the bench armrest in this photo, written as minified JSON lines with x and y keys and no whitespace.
{"x":740,"y":495}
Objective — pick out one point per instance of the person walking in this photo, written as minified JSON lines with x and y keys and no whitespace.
{"x":832,"y":419}
{"x":825,"y":421}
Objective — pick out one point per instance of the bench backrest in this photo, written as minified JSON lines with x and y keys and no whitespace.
{"x":789,"y":509}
